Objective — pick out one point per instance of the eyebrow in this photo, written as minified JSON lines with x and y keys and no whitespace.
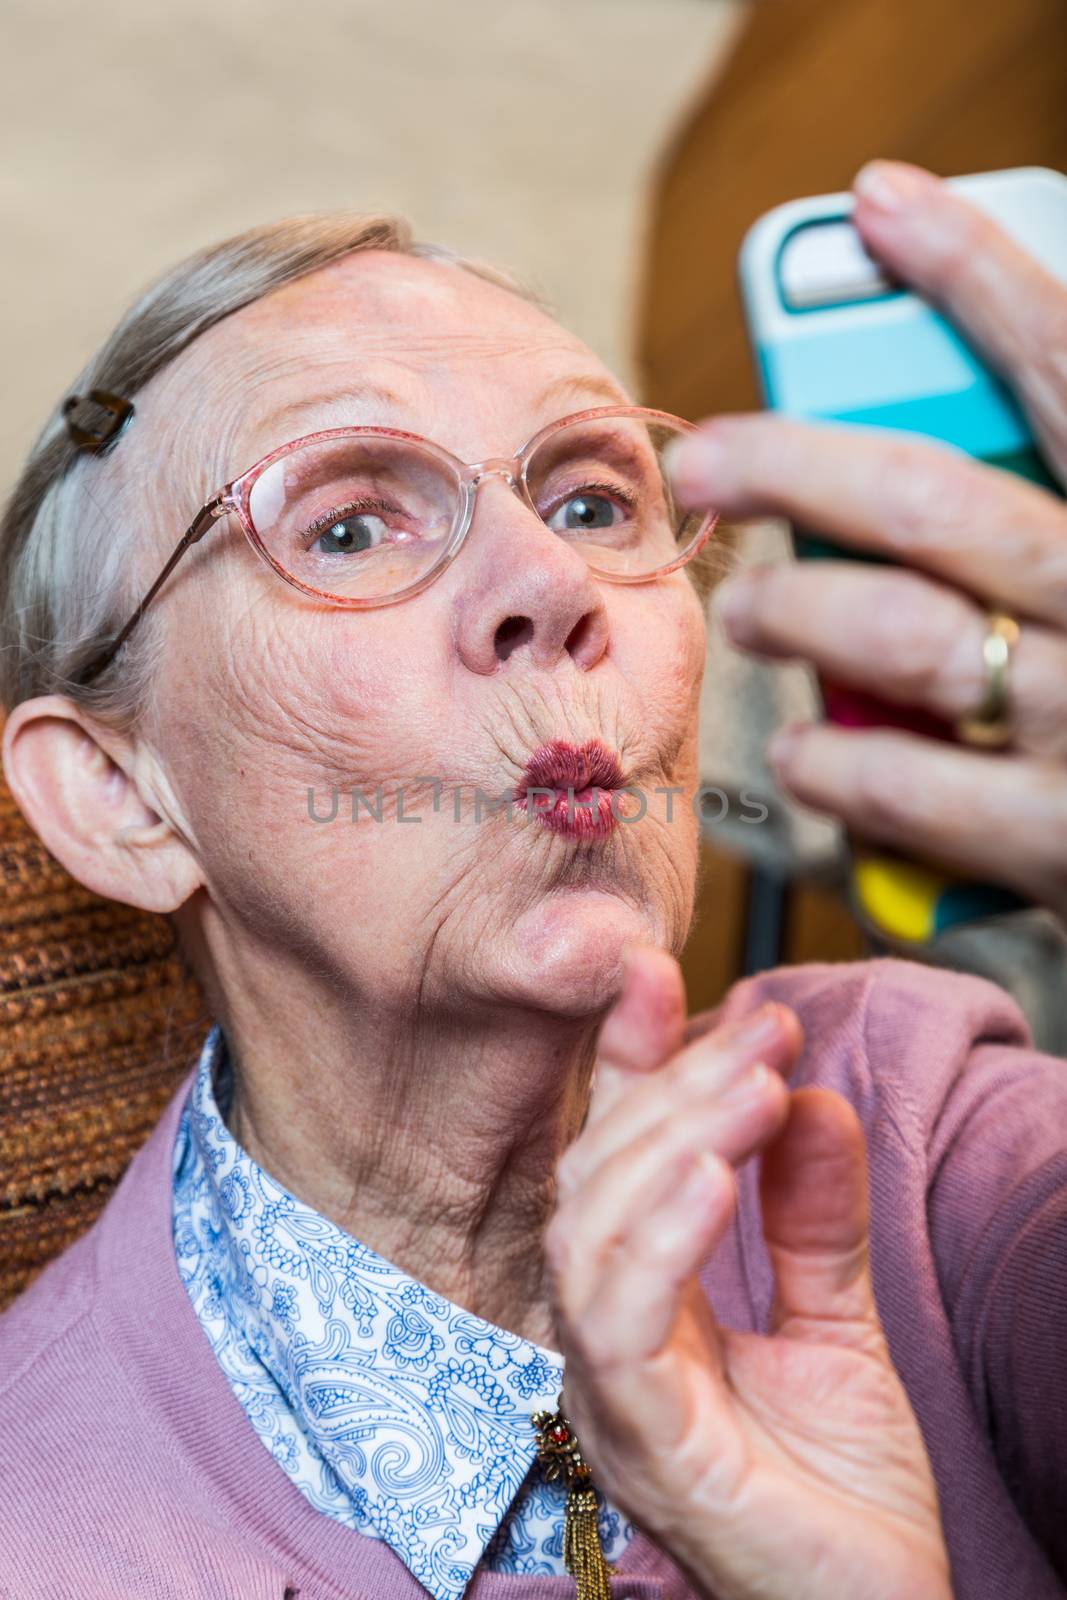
{"x":354,"y":393}
{"x":580,"y":388}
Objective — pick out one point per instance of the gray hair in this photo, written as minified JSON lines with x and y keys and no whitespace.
{"x":64,"y":582}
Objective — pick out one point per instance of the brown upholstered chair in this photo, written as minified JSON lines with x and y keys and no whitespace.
{"x":98,"y":1022}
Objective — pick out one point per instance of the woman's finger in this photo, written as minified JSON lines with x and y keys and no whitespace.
{"x":644,"y":1027}
{"x":813,"y":1189}
{"x":901,"y":636}
{"x":593,"y":1221}
{"x":625,"y":1355}
{"x":994,"y":817}
{"x":640,"y":1285}
{"x":1011,"y":307}
{"x":692,"y":1079}
{"x":915,"y":501}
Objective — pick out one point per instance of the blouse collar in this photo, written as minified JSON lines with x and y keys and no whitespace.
{"x":396,"y":1408}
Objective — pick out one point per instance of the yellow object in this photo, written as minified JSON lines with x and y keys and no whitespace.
{"x":899,"y":897}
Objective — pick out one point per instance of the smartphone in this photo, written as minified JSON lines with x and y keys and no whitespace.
{"x":833,"y":338}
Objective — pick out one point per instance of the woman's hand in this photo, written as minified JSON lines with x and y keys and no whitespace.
{"x":969,"y":538}
{"x":780,"y":1467}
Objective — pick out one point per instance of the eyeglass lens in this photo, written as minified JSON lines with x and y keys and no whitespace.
{"x":365,"y":517}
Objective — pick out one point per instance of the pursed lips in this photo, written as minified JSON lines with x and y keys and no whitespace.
{"x":577,"y":783}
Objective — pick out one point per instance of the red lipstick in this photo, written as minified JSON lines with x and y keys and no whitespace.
{"x":569,"y":788}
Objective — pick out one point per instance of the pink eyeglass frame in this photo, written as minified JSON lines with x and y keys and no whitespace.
{"x":234,"y":498}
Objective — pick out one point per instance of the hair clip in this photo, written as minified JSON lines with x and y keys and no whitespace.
{"x":98,"y":443}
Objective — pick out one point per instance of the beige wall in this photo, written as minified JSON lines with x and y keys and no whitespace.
{"x":522,"y":130}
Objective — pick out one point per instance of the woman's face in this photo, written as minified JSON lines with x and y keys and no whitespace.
{"x":268,"y":695}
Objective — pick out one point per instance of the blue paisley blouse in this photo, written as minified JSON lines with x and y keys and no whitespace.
{"x":392,"y":1409}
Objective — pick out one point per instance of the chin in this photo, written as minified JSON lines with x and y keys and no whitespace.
{"x":566,"y":949}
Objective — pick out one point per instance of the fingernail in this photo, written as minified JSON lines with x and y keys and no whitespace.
{"x":891,"y":185}
{"x":691,"y":464}
{"x":734,"y":604}
{"x":783,"y":747}
{"x":749,"y":1086}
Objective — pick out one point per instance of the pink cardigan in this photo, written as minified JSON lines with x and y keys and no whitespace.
{"x":127,"y":1468}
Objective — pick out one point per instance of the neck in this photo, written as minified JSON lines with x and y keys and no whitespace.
{"x":431,"y":1138}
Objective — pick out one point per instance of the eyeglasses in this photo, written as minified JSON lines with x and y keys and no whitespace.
{"x":363,"y":517}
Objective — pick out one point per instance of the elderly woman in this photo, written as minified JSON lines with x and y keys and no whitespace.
{"x":447,"y":1269}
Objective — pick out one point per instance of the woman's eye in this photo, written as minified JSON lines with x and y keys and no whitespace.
{"x":349,"y":535}
{"x":583,"y":511}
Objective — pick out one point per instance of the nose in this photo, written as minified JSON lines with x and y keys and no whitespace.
{"x":525,"y":591}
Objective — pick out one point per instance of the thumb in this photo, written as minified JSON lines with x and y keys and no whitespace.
{"x":644,"y":1027}
{"x":813,"y":1189}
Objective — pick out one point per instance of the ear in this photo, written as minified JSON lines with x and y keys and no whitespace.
{"x":82,"y":788}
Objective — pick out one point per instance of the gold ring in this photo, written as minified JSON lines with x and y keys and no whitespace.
{"x":990,"y":725}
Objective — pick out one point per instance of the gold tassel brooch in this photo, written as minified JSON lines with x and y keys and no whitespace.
{"x":560,"y":1456}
